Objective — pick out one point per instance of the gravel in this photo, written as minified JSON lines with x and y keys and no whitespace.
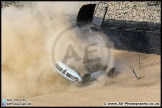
{"x":149,"y":11}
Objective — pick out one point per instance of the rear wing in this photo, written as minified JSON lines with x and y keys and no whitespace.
{"x":87,"y":14}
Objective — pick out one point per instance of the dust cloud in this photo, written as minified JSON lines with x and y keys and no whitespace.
{"x":27,"y":38}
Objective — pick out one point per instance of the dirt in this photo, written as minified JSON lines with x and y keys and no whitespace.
{"x":123,"y":88}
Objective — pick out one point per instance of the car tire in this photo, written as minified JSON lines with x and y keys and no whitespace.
{"x":111,"y":72}
{"x":85,"y":77}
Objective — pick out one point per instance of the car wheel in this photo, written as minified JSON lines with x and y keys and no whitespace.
{"x":111,"y":72}
{"x":85,"y":77}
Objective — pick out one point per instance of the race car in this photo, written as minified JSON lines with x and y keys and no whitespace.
{"x":75,"y":76}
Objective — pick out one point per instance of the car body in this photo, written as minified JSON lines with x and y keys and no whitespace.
{"x":76,"y":77}
{"x":67,"y":72}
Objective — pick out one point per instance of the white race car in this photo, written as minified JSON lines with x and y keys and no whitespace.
{"x":73,"y":76}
